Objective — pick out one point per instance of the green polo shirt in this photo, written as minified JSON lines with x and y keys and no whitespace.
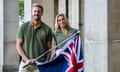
{"x":59,"y":36}
{"x":34,"y":40}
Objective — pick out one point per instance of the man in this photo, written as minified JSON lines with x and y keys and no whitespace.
{"x":33,"y":38}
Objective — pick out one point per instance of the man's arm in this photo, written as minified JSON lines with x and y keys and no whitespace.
{"x":49,"y":42}
{"x":49,"y":45}
{"x":20,"y":50}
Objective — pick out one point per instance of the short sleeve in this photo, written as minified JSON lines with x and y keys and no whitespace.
{"x":20,"y":32}
{"x":49,"y":35}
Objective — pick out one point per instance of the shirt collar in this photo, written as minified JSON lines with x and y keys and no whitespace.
{"x":40,"y":25}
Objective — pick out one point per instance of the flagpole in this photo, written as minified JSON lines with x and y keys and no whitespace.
{"x":52,"y":48}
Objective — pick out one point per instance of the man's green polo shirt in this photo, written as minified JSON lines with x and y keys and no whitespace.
{"x":59,"y":35}
{"x":35,"y":40}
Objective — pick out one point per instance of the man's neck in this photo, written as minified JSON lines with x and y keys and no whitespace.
{"x":36,"y":22}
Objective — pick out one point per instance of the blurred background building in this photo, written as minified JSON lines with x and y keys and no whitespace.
{"x":98,"y":21}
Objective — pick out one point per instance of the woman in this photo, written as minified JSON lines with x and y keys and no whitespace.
{"x":62,"y":29}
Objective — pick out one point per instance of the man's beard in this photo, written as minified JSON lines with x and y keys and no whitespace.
{"x":37,"y":19}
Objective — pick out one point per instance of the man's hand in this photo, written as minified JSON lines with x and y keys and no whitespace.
{"x":48,"y":56}
{"x":30,"y":61}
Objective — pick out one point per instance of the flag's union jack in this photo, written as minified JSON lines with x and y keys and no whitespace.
{"x":69,"y":58}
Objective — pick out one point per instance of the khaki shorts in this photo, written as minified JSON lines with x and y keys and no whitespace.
{"x":29,"y":68}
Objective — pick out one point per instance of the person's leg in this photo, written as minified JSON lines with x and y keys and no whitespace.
{"x":29,"y":68}
{"x":21,"y":69}
{"x":33,"y":68}
{"x":36,"y":70}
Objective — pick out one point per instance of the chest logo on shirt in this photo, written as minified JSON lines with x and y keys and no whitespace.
{"x":42,"y":33}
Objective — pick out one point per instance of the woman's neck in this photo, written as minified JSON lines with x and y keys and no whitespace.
{"x":64,"y":30}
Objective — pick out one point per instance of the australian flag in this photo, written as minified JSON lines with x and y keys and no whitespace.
{"x":68,"y":59}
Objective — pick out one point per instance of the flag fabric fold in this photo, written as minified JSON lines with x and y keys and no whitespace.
{"x":67,"y":59}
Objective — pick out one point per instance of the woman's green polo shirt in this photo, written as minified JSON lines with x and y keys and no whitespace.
{"x":35,"y":41}
{"x":59,"y":36}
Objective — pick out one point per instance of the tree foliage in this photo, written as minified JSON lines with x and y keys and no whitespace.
{"x":21,"y":7}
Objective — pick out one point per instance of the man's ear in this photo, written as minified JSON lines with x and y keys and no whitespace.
{"x":42,"y":14}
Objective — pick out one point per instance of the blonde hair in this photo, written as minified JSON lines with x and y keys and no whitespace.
{"x":56,"y":21}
